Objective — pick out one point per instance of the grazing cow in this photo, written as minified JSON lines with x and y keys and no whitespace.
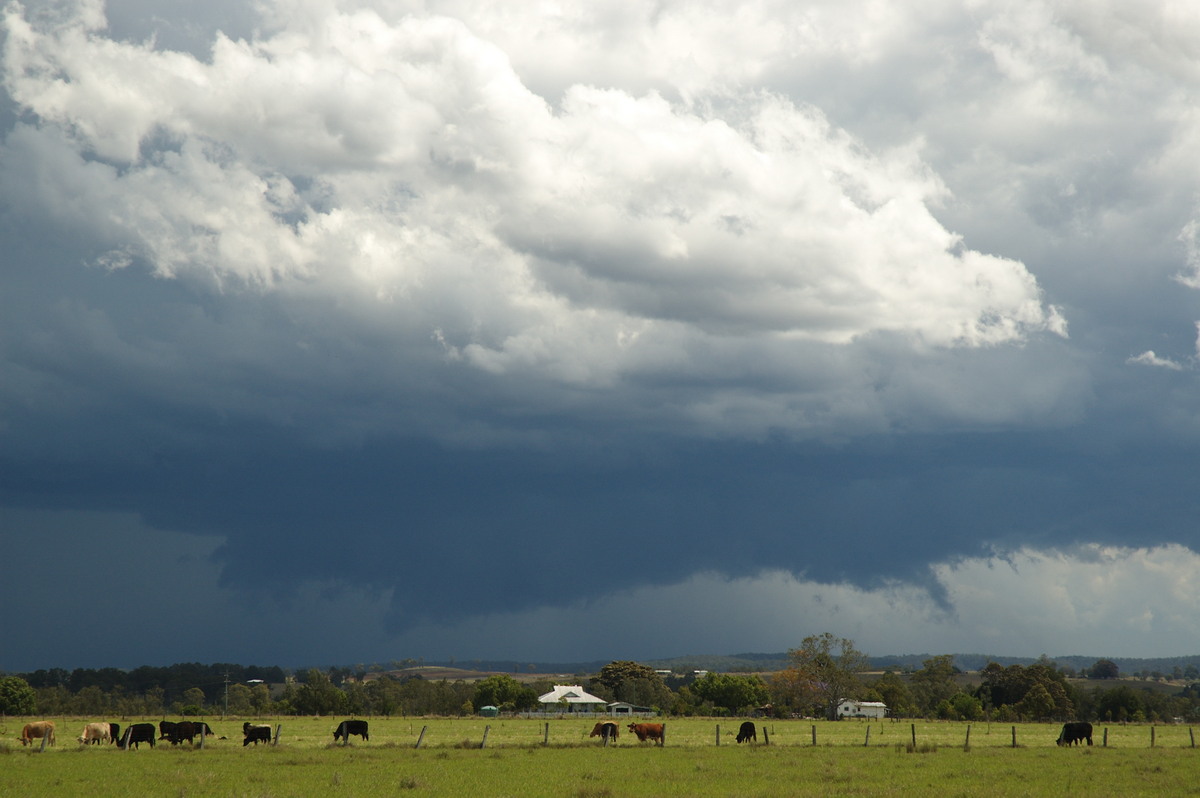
{"x":114,"y":732}
{"x":348,"y":727}
{"x":747,"y":733}
{"x":39,"y":729}
{"x":167,"y":730}
{"x":1075,"y":733}
{"x":255,"y":733}
{"x":648,"y":731}
{"x":96,"y":733}
{"x":138,"y":733}
{"x":606,"y":730}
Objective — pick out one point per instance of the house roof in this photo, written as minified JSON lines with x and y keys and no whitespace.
{"x":571,"y":693}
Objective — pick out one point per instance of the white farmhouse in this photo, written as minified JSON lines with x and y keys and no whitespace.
{"x":862,"y":709}
{"x":571,"y":698}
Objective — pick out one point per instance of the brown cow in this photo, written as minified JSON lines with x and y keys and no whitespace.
{"x":606,"y":730}
{"x":648,"y":731}
{"x":38,"y":729}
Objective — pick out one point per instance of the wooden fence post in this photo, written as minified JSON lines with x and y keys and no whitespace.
{"x":546,"y":735}
{"x":125,"y":738}
{"x":867,"y":741}
{"x":1192,"y":734}
{"x":766,"y":736}
{"x":967,"y":742}
{"x":814,"y":734}
{"x":718,"y":734}
{"x":1152,"y":735}
{"x":201,"y":735}
{"x":914,"y":735}
{"x":422,"y":735}
{"x":486,"y":729}
{"x":1106,"y":737}
{"x":1014,"y":735}
{"x":45,"y":738}
{"x":278,"y":729}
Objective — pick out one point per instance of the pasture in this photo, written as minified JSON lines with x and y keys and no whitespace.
{"x":517,"y":762}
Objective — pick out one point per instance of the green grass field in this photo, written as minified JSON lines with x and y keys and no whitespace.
{"x":516,"y":762}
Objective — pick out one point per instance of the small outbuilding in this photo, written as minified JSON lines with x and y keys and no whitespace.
{"x":489,"y":711}
{"x":862,"y":709}
{"x":626,"y":708}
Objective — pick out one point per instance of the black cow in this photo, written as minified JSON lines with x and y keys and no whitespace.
{"x":139,"y":733}
{"x":114,"y":730}
{"x":255,"y":734}
{"x":167,"y":730}
{"x":747,"y":733}
{"x":1075,"y":733}
{"x":348,"y":727}
{"x":606,"y":730}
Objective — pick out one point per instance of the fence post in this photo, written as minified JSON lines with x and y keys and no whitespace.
{"x":422,"y":735}
{"x":278,"y":729}
{"x":1014,"y":735}
{"x":546,"y":734}
{"x":766,"y":736}
{"x":914,"y":735}
{"x":125,"y":737}
{"x":967,"y":742}
{"x":486,"y":729}
{"x":1106,"y":737}
{"x":814,"y":734}
{"x":45,"y":737}
{"x":867,"y":741}
{"x":718,"y":734}
{"x":201,"y":735}
{"x":1192,"y":734}
{"x":1151,"y":735}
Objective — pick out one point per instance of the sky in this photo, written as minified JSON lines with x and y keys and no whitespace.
{"x":351,"y":331}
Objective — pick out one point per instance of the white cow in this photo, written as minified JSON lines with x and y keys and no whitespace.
{"x":95,"y":733}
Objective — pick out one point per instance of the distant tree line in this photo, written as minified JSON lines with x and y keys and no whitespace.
{"x":819,"y":674}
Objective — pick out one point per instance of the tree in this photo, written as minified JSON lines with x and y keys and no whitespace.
{"x":1008,"y":687}
{"x":1104,"y":669}
{"x":731,"y":692}
{"x":317,"y":696}
{"x":934,"y":683}
{"x":827,"y":668}
{"x":624,"y":680}
{"x":17,"y":697}
{"x":892,"y":691}
{"x":239,"y":699}
{"x":193,"y":701}
{"x":503,"y":691}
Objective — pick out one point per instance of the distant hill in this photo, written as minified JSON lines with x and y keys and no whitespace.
{"x":771,"y":662}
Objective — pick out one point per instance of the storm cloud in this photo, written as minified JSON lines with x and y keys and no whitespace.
{"x":434,"y":317}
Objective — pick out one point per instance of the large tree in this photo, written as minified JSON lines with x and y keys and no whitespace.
{"x":625,"y":680}
{"x":934,"y":683}
{"x":826,"y":668}
{"x":17,"y":697}
{"x":731,"y":692}
{"x":503,"y":691}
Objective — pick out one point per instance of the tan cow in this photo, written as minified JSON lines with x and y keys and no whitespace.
{"x":37,"y":730}
{"x":96,"y":733}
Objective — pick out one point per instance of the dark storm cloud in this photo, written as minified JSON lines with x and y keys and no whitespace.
{"x":388,"y":306}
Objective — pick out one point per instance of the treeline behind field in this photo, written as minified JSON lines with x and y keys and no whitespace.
{"x":1043,"y":691}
